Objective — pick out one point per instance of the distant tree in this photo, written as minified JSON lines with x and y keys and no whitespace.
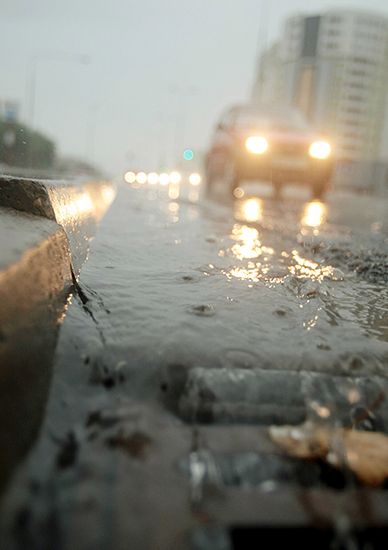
{"x":25,"y":148}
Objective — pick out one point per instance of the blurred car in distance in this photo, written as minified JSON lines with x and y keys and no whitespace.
{"x":268,"y":143}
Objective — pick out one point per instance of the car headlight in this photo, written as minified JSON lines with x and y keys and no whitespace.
{"x":320,"y":150}
{"x":257,"y":145}
{"x":175,"y":177}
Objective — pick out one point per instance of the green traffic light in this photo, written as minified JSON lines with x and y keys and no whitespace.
{"x":188,"y":154}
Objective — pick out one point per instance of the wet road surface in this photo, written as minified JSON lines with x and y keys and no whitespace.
{"x":205,"y":322}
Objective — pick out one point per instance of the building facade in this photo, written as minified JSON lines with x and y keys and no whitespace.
{"x":334,"y":68}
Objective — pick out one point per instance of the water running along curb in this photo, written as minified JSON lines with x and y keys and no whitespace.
{"x":77,"y":206}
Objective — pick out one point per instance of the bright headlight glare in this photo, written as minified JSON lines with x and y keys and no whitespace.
{"x":164,"y":179}
{"x":320,"y":150}
{"x":130,"y":177}
{"x":141,"y":178}
{"x":153,"y":178}
{"x":195,"y":179}
{"x":175,"y":177}
{"x":256,"y":145}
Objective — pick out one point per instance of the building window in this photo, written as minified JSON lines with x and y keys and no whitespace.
{"x":311,"y":33}
{"x":335,"y":19}
{"x":353,"y":123}
{"x":354,"y":111}
{"x":352,"y":135}
{"x":361,"y":60}
{"x":357,"y":85}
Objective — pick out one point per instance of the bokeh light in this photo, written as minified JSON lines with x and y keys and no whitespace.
{"x":195,"y":179}
{"x":164,"y":179}
{"x":238,"y":193}
{"x":314,"y":214}
{"x":188,"y":154}
{"x":153,"y":178}
{"x":175,"y":177}
{"x":130,"y":177}
{"x":141,"y":178}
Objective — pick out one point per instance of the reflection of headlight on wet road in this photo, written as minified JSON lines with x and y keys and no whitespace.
{"x":320,"y":150}
{"x":257,"y":145}
{"x":252,"y":210}
{"x":174,"y":191}
{"x":314,"y":214}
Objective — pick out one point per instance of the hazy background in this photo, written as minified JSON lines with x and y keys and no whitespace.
{"x":159,"y":73}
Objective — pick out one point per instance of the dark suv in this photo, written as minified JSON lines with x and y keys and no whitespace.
{"x":268,"y":143}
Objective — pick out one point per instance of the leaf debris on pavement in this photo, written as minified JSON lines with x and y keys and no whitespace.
{"x":364,"y":453}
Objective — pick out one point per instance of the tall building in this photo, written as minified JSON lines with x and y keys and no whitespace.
{"x":269,"y":84}
{"x":334,"y":68}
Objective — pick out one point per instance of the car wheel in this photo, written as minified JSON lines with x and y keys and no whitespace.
{"x":231,"y":181}
{"x":319,"y":189}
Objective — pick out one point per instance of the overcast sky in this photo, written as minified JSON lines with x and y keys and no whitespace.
{"x":160,"y":71}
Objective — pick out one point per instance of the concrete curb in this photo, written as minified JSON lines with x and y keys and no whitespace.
{"x":45,"y":231}
{"x":76,"y":206}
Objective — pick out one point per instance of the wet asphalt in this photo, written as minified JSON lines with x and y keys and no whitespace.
{"x":202,"y":311}
{"x":256,"y":282}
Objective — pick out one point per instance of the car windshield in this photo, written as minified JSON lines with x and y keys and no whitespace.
{"x":279,"y":119}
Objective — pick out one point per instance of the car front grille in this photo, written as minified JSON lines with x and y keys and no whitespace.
{"x":284,"y":148}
